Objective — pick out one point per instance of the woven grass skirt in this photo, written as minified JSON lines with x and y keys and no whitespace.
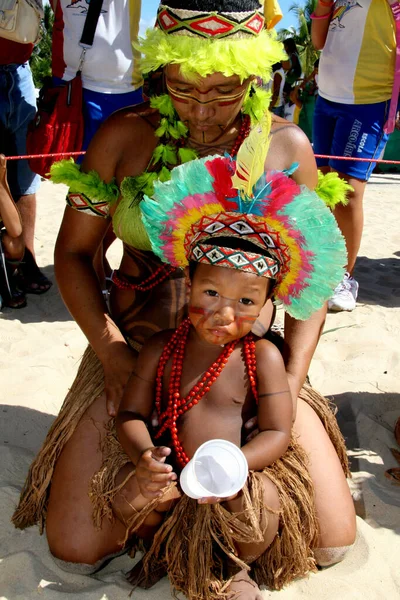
{"x":190,"y":526}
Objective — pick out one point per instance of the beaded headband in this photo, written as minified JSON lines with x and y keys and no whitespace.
{"x":217,"y":197}
{"x":198,"y":244}
{"x":213,"y":25}
{"x":249,"y":262}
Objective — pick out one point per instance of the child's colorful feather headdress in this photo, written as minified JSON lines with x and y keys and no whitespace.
{"x":300,"y":245}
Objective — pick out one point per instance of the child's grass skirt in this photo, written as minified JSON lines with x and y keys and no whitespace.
{"x":194,"y":540}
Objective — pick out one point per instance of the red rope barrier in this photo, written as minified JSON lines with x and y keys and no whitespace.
{"x":370,"y":160}
{"x":57,"y":154}
{"x":25,"y":156}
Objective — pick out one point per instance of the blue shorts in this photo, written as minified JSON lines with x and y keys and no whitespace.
{"x":97,"y":106}
{"x":349,"y":130}
{"x":17,"y":109}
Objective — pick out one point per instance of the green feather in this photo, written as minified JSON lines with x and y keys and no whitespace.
{"x":256,"y":104}
{"x":164,"y":105}
{"x":245,"y":57}
{"x":90,"y":184}
{"x":186,"y":154}
{"x":332,"y":189}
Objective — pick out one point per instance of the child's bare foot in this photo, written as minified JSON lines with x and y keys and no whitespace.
{"x":244,"y":588}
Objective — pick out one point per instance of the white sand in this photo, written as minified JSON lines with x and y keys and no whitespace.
{"x":357,"y":361}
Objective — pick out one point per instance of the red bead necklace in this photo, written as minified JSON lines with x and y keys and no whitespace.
{"x":159,"y":275}
{"x":242,"y":135}
{"x":178,"y":405}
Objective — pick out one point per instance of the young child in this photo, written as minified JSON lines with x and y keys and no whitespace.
{"x":12,"y":246}
{"x":204,"y":379}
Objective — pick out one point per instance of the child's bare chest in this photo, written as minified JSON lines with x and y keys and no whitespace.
{"x":219,"y":413}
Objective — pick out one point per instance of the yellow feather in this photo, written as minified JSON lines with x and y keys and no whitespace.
{"x":250,"y":159}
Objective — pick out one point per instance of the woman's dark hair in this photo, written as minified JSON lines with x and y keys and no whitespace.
{"x":290,"y":46}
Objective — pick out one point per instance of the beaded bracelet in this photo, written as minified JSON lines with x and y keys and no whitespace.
{"x":317,"y":17}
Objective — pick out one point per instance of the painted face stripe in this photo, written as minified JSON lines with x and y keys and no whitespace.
{"x":223,"y":100}
{"x":177,"y":98}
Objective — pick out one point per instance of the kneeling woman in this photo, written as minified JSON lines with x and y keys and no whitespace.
{"x":211,"y":57}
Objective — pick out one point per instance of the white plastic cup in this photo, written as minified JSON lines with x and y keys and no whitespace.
{"x":218,"y":468}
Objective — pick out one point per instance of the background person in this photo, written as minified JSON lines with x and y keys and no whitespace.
{"x":292,"y":66}
{"x":12,"y":245}
{"x":304,"y":97}
{"x":111,"y":77}
{"x":278,"y":82}
{"x":355,"y":80}
{"x":17,"y":109}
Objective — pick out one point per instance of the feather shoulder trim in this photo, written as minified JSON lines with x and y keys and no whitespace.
{"x":90,"y":184}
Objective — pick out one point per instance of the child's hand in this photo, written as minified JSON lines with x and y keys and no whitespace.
{"x":152,"y":474}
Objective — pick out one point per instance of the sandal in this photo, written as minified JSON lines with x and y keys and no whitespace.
{"x":33,"y":281}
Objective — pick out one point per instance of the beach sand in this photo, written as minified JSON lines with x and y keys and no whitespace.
{"x":357,"y":364}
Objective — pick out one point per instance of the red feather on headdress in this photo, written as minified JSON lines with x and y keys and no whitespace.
{"x":222,"y":169}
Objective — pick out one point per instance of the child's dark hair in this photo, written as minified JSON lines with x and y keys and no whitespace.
{"x":235,"y":244}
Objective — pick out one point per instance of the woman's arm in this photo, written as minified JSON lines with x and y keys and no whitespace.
{"x":78,"y":241}
{"x":275,"y":409}
{"x":301,"y":337}
{"x":137,"y":404}
{"x":301,"y":340}
{"x":320,"y":27}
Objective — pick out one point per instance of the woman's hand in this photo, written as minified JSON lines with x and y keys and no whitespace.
{"x":152,"y":474}
{"x":117,"y":370}
{"x":251,"y":427}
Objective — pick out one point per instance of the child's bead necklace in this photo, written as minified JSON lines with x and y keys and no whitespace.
{"x":178,"y":405}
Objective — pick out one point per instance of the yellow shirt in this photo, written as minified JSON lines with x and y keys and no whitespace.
{"x":357,"y":62}
{"x":272,"y":13}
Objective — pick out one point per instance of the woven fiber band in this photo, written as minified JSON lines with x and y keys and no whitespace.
{"x":211,"y":25}
{"x":249,"y":262}
{"x":246,"y":227}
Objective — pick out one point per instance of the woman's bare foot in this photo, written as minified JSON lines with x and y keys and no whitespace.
{"x":244,"y":588}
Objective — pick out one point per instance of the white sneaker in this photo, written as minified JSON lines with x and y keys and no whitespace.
{"x":345,"y":295}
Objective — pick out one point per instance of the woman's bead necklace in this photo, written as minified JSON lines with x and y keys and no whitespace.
{"x":177,"y":405}
{"x":164,"y":271}
{"x":242,"y":135}
{"x":154,"y":279}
